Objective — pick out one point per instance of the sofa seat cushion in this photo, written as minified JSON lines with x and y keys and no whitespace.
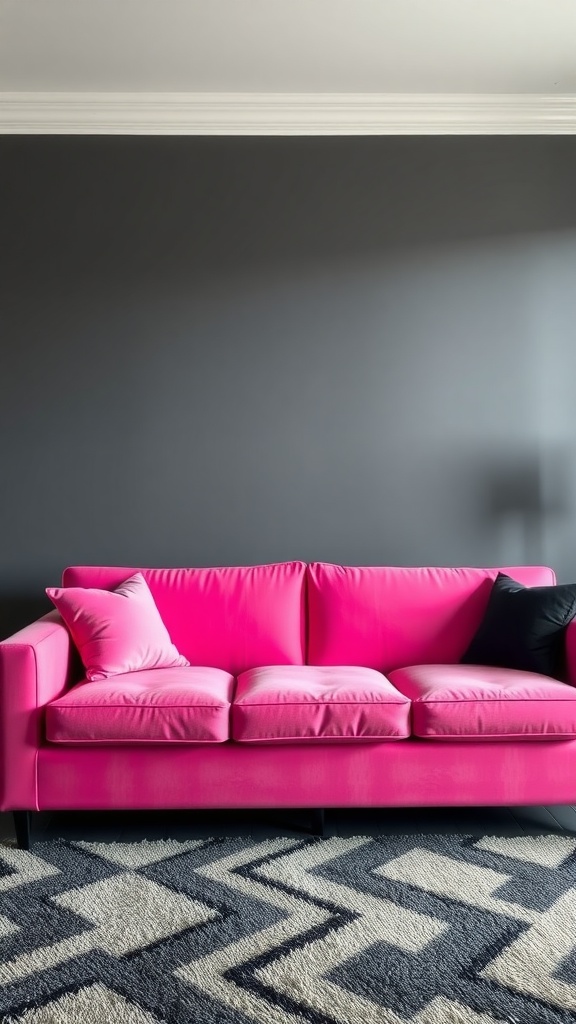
{"x":168,"y":705}
{"x":301,"y":703}
{"x":462,"y":702}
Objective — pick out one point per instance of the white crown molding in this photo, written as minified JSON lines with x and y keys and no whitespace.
{"x":102,"y":113}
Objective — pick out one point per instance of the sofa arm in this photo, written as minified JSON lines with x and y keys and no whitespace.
{"x":36,"y":666}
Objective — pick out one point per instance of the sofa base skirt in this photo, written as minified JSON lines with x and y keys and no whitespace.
{"x":405,"y":773}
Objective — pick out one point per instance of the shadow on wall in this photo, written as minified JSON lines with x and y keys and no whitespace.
{"x":522,"y":494}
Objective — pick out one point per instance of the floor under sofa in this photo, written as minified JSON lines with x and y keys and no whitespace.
{"x":133,"y":826}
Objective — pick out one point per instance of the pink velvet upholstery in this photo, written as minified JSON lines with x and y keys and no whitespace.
{"x":36,"y":667}
{"x":461,"y":702}
{"x":237,"y":619}
{"x":386,"y":617}
{"x":283,"y":704}
{"x":116,"y":631}
{"x":396,"y":773}
{"x":233,"y":618}
{"x":169,"y":705}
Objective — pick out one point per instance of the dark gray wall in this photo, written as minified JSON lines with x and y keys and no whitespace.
{"x":243,"y":350}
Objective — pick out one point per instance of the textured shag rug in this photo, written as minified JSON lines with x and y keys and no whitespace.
{"x":389,"y":930}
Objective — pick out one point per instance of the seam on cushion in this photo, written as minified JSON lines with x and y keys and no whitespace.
{"x":327,"y":703}
{"x":312,"y":739}
{"x":493,"y":700}
{"x":117,"y":739}
{"x":142,"y":707}
{"x":496,"y":735}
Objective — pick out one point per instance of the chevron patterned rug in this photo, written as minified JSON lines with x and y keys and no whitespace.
{"x":389,"y":930}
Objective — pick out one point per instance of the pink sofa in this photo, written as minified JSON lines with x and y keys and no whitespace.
{"x":310,"y":686}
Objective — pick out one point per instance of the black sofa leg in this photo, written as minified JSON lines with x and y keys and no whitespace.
{"x":22,"y":826}
{"x":317,"y":823}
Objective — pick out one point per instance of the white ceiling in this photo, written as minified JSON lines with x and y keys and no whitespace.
{"x":308,"y":46}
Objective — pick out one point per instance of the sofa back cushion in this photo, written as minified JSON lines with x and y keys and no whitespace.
{"x":234,"y":618}
{"x":386,"y":617}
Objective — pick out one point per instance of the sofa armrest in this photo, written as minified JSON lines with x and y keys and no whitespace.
{"x":36,"y":667}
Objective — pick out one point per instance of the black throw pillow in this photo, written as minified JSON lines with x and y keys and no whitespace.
{"x":524,"y":627}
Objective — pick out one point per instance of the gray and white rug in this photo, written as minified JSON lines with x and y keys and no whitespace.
{"x":420,"y":929}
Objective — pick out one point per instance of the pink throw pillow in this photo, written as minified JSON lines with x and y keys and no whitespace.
{"x":116,"y":631}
